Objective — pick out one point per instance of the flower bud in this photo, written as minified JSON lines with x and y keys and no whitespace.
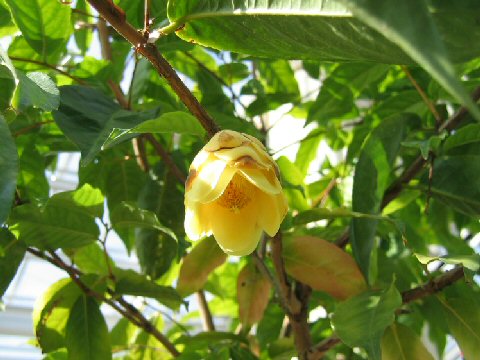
{"x":233,"y":192}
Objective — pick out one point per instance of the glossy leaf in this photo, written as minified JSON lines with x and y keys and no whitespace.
{"x":86,"y":199}
{"x":8,"y":80}
{"x":456,"y":183}
{"x":45,"y":24}
{"x":319,"y":30}
{"x":12,"y":253}
{"x":412,"y":27}
{"x":466,"y":135}
{"x":401,"y":343}
{"x":253,"y":293}
{"x":205,"y":257}
{"x":37,"y":89}
{"x":87,"y":333}
{"x":55,"y":226}
{"x":369,"y":183}
{"x":172,"y":122}
{"x":129,"y":282}
{"x":8,"y":169}
{"x":51,"y":311}
{"x":463,"y":318}
{"x":471,"y":262}
{"x":362,"y":319}
{"x":87,"y":117}
{"x":129,"y":215}
{"x":323,"y":266}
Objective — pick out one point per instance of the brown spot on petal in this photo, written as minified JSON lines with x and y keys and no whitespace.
{"x":190,"y":178}
{"x":246,"y":162}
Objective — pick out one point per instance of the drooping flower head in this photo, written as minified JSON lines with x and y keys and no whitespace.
{"x":233,"y":192}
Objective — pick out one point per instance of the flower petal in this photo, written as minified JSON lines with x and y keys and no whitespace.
{"x":209,"y":182}
{"x":237,"y":233}
{"x":196,"y":221}
{"x":225,"y":139}
{"x":273,"y":209}
{"x":266,"y":180}
{"x":232,"y":155}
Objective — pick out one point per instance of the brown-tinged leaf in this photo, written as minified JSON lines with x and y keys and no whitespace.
{"x":253,"y":293}
{"x":323,"y":266}
{"x":205,"y":257}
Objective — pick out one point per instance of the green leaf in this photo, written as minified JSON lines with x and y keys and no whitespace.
{"x":12,"y":252}
{"x":60,"y":354}
{"x":128,"y":282}
{"x":122,"y":334}
{"x":401,"y":343}
{"x":87,"y":334}
{"x":471,"y":262}
{"x":209,"y":337}
{"x":465,"y":135}
{"x":334,"y":101}
{"x":37,"y":89}
{"x":362,"y":319}
{"x":411,"y":26}
{"x":293,"y":184}
{"x":463,"y":318}
{"x":45,"y":24}
{"x":456,"y":183}
{"x":57,"y":225}
{"x":308,"y":150}
{"x":369,"y":183}
{"x":172,"y":122}
{"x":129,"y":215}
{"x":83,"y":36}
{"x":8,"y":80}
{"x":51,"y":311}
{"x":86,"y":199}
{"x":87,"y":117}
{"x":426,"y":146}
{"x":32,"y":182}
{"x":147,"y":347}
{"x":316,"y":30}
{"x":8,"y":169}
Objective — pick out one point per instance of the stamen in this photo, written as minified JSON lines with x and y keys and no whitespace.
{"x":237,"y":195}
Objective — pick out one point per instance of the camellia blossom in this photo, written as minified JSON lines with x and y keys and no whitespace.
{"x":233,"y":192}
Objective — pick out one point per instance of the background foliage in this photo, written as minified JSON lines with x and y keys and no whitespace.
{"x":380,"y":239}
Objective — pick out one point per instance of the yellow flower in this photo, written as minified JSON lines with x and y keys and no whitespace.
{"x":233,"y":192}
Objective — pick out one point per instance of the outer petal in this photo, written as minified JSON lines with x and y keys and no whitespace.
{"x":232,"y":155}
{"x":209,"y":182}
{"x":265,"y":180}
{"x":196,"y":221}
{"x":236,"y":233}
{"x":273,"y":209}
{"x":225,"y":139}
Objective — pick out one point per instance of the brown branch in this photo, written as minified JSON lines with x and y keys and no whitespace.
{"x":26,"y":129}
{"x":208,"y":324}
{"x":48,"y":66}
{"x":297,"y":301}
{"x":425,"y":98}
{"x":116,"y":17}
{"x":429,"y":288}
{"x":128,"y":311}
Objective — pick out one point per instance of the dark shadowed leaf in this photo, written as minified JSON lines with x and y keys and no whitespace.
{"x":8,"y":169}
{"x":87,"y":334}
{"x":369,"y":183}
{"x":362,"y":319}
{"x":12,"y":252}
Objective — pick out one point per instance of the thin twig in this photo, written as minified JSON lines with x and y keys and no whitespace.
{"x":208,"y":324}
{"x":128,"y":311}
{"x":425,"y":98}
{"x":117,"y":18}
{"x":166,"y":158}
{"x":31,"y":127}
{"x":48,"y":66}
